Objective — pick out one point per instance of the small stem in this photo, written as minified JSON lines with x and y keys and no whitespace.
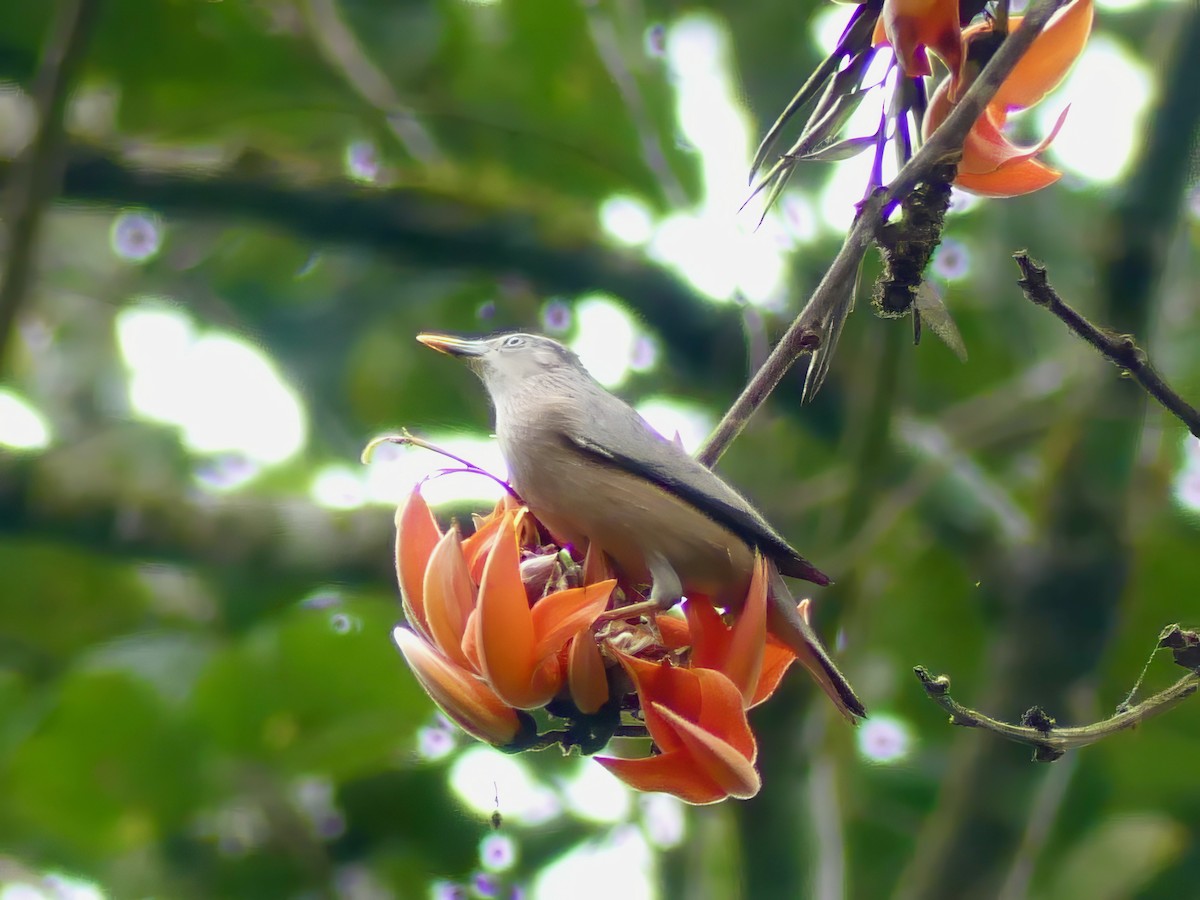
{"x":1039,"y":731}
{"x":1119,"y":349}
{"x":406,"y":438}
{"x":566,"y":739}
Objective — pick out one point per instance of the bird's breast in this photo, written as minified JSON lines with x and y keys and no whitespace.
{"x":585,"y":501}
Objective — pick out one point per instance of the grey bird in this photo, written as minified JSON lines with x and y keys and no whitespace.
{"x":596,"y":474}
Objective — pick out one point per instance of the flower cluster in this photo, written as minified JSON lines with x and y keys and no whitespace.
{"x":507,"y":633}
{"x":964,"y":36}
{"x":991,"y":164}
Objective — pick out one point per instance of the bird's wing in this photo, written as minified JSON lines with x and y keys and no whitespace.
{"x":629,"y":443}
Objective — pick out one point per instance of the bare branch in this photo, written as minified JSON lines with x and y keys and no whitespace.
{"x":1119,"y":349}
{"x":1051,"y":741}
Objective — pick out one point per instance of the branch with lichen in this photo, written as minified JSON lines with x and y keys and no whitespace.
{"x":816,"y":328}
{"x":1119,"y":349}
{"x":1050,"y":740}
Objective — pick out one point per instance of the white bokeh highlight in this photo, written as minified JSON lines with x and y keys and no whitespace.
{"x":224,"y":394}
{"x":22,"y":427}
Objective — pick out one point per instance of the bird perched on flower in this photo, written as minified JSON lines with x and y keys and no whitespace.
{"x":595,"y":473}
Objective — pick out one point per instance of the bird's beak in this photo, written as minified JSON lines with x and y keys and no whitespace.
{"x":446,"y":343}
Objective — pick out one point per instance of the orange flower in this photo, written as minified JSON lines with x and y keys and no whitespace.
{"x":911,"y":26}
{"x":461,"y":695}
{"x":498,"y":624}
{"x":991,"y":164}
{"x":519,"y":646}
{"x":697,"y":719}
{"x":477,"y":647}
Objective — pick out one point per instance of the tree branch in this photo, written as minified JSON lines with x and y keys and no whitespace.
{"x":430,"y":228}
{"x":1121,"y":350}
{"x":1070,"y":578}
{"x":36,"y":174}
{"x":1050,"y":741}
{"x":95,"y":497}
{"x":816,"y":327}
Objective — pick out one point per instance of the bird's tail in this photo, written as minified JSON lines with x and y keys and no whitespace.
{"x":790,"y":625}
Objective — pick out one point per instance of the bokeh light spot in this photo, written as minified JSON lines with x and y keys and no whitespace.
{"x":497,"y":852}
{"x":884,"y":739}
{"x":136,"y":235}
{"x":1109,"y":90}
{"x":604,"y":338}
{"x":21,"y":426}
{"x":224,"y":394}
{"x":627,"y":220}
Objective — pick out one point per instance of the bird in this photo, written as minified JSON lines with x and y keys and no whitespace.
{"x":597,"y":475}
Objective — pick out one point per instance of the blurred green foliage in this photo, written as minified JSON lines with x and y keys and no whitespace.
{"x":179,"y":665}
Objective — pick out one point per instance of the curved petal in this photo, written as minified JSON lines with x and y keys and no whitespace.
{"x":596,"y":566}
{"x":668,"y":773}
{"x":987,"y":149}
{"x":559,"y":616}
{"x":586,"y":676}
{"x":1046,"y":63}
{"x":416,"y":535}
{"x":721,"y":761}
{"x":991,"y":164}
{"x":479,"y":544}
{"x":674,"y":631}
{"x":709,"y":634}
{"x":1022,"y":177}
{"x":736,"y":651}
{"x":449,"y":596}
{"x":460,"y":694}
{"x":777,"y":659}
{"x":748,"y":637}
{"x":705,"y":697}
{"x":669,"y":685}
{"x":912,"y":25}
{"x":470,"y":640}
{"x":505,"y":633}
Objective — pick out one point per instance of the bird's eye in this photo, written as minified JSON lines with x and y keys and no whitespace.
{"x":514,"y":341}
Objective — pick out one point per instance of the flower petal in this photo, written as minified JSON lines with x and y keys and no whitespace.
{"x":674,"y":631}
{"x":777,"y":659}
{"x":1047,"y":61}
{"x":912,"y":25}
{"x":736,"y":651}
{"x":733,"y":772}
{"x":449,"y":596}
{"x":416,"y":535}
{"x":987,"y":149}
{"x":505,"y":626}
{"x":1022,"y":177}
{"x":586,"y":676}
{"x":477,"y":546}
{"x":461,"y":695}
{"x":992,"y":165}
{"x":705,"y":697}
{"x":560,"y":615}
{"x":667,"y":773}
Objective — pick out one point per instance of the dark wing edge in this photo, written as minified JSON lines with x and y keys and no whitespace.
{"x":750,"y":527}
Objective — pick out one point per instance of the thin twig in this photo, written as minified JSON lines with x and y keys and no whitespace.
{"x":1119,"y":349}
{"x":608,"y":47}
{"x":1039,"y":730}
{"x":346,"y":55}
{"x":816,"y":324}
{"x":37,"y":174}
{"x":407,"y":439}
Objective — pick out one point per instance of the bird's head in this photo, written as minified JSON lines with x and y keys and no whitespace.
{"x":505,"y":361}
